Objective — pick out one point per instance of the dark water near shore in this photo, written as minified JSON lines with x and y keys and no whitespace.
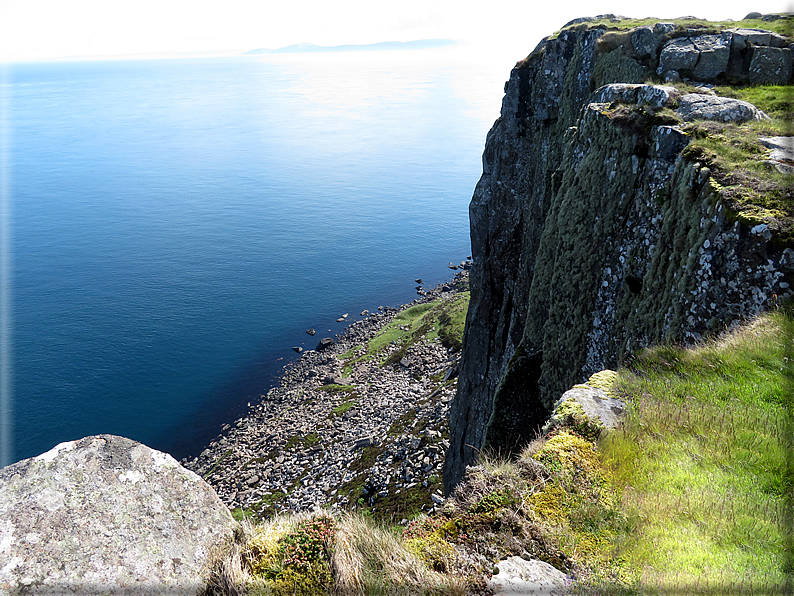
{"x":178,"y":224}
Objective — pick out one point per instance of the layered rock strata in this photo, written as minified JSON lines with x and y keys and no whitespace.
{"x":592,"y":234}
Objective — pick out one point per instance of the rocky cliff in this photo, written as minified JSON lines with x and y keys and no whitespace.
{"x":598,"y":229}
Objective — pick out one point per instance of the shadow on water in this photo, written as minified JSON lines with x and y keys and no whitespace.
{"x":224,"y":404}
{"x":229,"y":401}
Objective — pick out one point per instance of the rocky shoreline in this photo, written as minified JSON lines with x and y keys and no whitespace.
{"x":344,"y":428}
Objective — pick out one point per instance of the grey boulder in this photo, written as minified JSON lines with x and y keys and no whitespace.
{"x":645,"y":41}
{"x":700,"y":106}
{"x":770,"y":65}
{"x":324,"y":344}
{"x":678,"y":54}
{"x":108,"y":515}
{"x":597,"y":406}
{"x":656,"y":96}
{"x":714,"y":50}
{"x":527,"y":576}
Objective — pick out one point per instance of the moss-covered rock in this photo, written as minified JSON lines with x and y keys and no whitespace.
{"x":603,"y":224}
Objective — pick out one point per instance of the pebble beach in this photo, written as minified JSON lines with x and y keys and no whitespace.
{"x":344,"y":430}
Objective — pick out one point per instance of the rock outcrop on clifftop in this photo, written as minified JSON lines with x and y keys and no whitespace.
{"x":107,"y":515}
{"x":594,"y":232}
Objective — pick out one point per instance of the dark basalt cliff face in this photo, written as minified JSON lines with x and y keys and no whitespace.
{"x":592,"y":233}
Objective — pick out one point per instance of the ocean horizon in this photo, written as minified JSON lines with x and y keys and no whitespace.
{"x":178,"y":224}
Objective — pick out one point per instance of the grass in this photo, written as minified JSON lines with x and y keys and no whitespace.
{"x":313,"y":554}
{"x":781,"y":26}
{"x":302,"y":441}
{"x":703,"y":462}
{"x":348,"y":394}
{"x":345,"y":406}
{"x":693,"y":494}
{"x":754,"y":192}
{"x":442,"y":319}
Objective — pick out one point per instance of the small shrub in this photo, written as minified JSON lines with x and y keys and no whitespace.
{"x":437,"y":553}
{"x":494,"y":501}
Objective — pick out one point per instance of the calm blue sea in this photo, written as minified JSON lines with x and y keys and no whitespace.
{"x":179,"y":224}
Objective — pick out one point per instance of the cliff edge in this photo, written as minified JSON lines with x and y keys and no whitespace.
{"x":604,"y":221}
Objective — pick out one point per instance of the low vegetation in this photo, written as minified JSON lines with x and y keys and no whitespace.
{"x":692,"y":494}
{"x":704,"y":465}
{"x":754,"y":190}
{"x":442,"y":319}
{"x":781,"y":26}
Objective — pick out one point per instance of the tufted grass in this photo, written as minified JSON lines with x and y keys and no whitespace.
{"x":441,"y":319}
{"x":754,"y":192}
{"x":781,"y":26}
{"x":287,"y":556}
{"x":704,"y":463}
{"x":693,"y":494}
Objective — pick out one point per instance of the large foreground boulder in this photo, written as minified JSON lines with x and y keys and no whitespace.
{"x":107,"y":515}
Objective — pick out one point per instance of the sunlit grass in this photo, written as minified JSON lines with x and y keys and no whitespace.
{"x":754,"y":191}
{"x":780,"y":26}
{"x":438,"y":320}
{"x":703,"y":461}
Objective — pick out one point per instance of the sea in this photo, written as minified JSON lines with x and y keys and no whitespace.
{"x":176,"y":225}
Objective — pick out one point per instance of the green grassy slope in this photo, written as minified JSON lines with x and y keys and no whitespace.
{"x":704,"y":462}
{"x":692,"y":494}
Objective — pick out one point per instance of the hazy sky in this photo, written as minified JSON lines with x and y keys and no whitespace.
{"x":44,"y":29}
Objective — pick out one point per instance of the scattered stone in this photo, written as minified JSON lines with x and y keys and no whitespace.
{"x":311,"y":331}
{"x":324,"y":344}
{"x":383,"y":403}
{"x":298,"y":349}
{"x":108,"y":514}
{"x":520,"y":576}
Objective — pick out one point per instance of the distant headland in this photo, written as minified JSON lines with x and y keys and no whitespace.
{"x":301,"y":48}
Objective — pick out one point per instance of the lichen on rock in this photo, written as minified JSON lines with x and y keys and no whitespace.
{"x":596,"y":230}
{"x":108,"y":515}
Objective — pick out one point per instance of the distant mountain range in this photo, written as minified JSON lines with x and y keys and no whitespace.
{"x":420,"y":44}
